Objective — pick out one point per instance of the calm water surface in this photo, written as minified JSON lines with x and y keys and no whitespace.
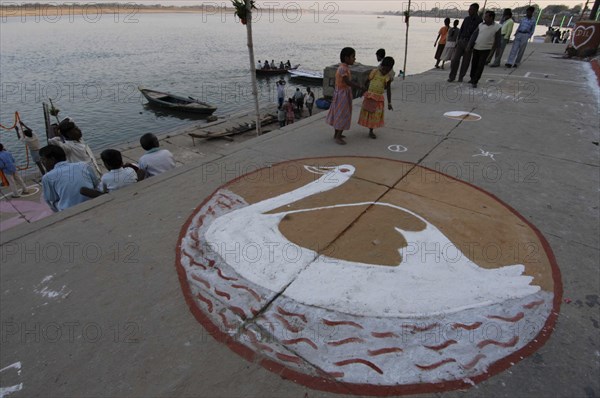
{"x":92,"y":70}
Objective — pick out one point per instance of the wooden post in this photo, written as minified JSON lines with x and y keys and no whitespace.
{"x":406,"y":19}
{"x":594,"y":10}
{"x":252,"y":64}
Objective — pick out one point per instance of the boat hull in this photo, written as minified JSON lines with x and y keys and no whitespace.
{"x":273,"y":72}
{"x":177,"y":103}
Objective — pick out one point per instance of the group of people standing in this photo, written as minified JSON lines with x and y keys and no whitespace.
{"x":288,"y":111}
{"x":477,"y":40}
{"x":556,"y":36}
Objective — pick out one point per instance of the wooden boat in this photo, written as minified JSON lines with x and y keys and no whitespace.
{"x":307,"y":74}
{"x":176,"y":102}
{"x":269,"y":72}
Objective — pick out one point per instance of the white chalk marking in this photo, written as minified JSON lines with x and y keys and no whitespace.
{"x":46,"y":292}
{"x":16,"y":365}
{"x":462,"y":115}
{"x":487,"y":154}
{"x":33,"y":189}
{"x":545,"y":75}
{"x":397,"y":148}
{"x":6,"y":391}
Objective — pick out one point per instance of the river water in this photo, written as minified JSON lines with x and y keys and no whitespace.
{"x":91,"y":65}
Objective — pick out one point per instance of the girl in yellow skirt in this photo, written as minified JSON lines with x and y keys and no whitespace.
{"x":371,"y":113}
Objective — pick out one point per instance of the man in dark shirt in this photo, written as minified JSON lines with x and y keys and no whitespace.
{"x":467,"y":28}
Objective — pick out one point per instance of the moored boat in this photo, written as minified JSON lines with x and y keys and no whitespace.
{"x":312,"y":75}
{"x":176,"y":102}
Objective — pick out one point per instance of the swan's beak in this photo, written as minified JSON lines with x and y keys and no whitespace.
{"x":319,"y":170}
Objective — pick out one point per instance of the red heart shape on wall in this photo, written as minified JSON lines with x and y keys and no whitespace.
{"x":581,"y":35}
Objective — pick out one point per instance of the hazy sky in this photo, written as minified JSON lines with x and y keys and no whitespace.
{"x":331,"y":5}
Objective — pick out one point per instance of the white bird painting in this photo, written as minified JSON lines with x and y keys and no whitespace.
{"x":365,"y":319}
{"x":412,"y":288}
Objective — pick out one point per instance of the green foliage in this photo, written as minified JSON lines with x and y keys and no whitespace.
{"x":240,"y":7}
{"x":555,"y":9}
{"x":521,"y":10}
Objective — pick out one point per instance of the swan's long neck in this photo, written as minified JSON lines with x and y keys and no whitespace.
{"x":325,"y":183}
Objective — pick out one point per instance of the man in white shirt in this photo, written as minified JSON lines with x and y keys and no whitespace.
{"x":484,"y":42}
{"x":156,"y":160}
{"x":280,"y":92}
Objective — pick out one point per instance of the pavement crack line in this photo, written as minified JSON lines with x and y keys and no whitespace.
{"x":445,"y":137}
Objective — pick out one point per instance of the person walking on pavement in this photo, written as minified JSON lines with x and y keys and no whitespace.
{"x":309,"y":100}
{"x":483,"y":43}
{"x":442,"y":35}
{"x":467,"y":28}
{"x":507,"y":27}
{"x":450,"y":43}
{"x":524,"y":33}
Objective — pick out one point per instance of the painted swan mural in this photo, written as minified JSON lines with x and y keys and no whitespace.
{"x":419,"y":324}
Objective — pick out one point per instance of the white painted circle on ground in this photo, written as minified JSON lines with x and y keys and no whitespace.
{"x":397,"y":148}
{"x":32,"y":191}
{"x":463,"y":115}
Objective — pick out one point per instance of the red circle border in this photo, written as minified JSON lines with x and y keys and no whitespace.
{"x":330,"y":385}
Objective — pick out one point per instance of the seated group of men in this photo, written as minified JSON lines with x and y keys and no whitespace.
{"x":272,"y":65}
{"x":66,"y":183}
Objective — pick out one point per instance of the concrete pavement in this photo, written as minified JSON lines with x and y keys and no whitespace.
{"x":92,"y":304}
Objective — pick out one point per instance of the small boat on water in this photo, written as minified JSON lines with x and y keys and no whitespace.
{"x":307,"y":74}
{"x":268,"y":72}
{"x":176,"y":102}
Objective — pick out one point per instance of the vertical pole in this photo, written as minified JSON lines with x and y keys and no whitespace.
{"x":551,"y":23}
{"x":594,"y":11}
{"x":406,"y":19}
{"x":252,"y":64}
{"x":562,"y":22}
{"x":583,"y":9}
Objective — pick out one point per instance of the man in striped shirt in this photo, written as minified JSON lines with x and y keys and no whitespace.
{"x":507,"y":27}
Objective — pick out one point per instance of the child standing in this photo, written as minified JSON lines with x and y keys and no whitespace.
{"x":442,"y":34}
{"x":371,"y":113}
{"x":8,"y":167}
{"x":281,"y":116}
{"x":340,"y":112}
{"x":450,"y":43}
{"x":289,"y":111}
{"x":310,"y":100}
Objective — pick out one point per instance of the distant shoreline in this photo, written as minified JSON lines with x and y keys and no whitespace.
{"x":53,"y":12}
{"x":50,"y":11}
